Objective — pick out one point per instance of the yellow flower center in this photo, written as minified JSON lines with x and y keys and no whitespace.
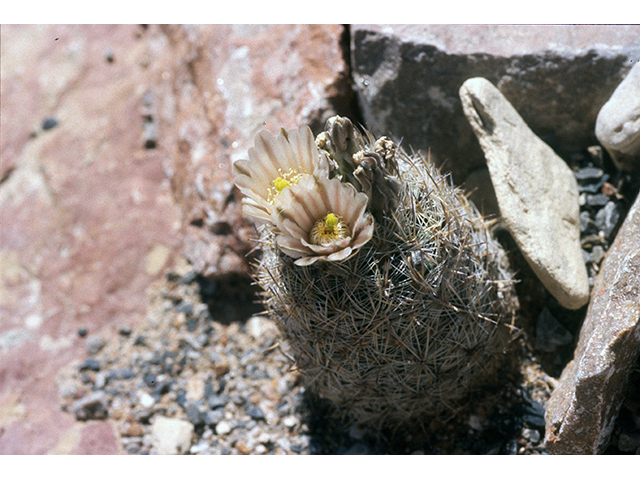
{"x":283,"y":181}
{"x":328,"y":229}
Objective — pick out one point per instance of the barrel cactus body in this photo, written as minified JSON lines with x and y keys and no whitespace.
{"x":403,"y":314}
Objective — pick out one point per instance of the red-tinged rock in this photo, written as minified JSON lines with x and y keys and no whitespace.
{"x":221,"y":85}
{"x":583,"y":408}
{"x":88,"y":220}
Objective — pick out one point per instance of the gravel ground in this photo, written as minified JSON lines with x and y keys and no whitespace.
{"x":204,"y":359}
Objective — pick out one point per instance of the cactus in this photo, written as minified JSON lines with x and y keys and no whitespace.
{"x":394,"y":300}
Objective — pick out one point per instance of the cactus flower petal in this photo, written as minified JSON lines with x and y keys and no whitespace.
{"x":321,"y":219}
{"x":276,"y":163}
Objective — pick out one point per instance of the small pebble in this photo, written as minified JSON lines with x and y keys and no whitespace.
{"x":145,"y":400}
{"x":223,"y":427}
{"x":256,"y":413}
{"x":49,"y":123}
{"x":89,"y":364}
{"x":95,"y":343}
{"x":597,"y":200}
{"x":124,"y":330}
{"x":213,"y":417}
{"x":607,"y":218}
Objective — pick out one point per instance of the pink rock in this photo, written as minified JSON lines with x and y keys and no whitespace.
{"x":222,"y":84}
{"x":85,"y":211}
{"x":583,"y":408}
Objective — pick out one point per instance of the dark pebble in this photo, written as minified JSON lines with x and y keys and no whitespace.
{"x":195,"y":416}
{"x":149,"y":379}
{"x":121,"y":374}
{"x":140,"y":341}
{"x":49,"y":123}
{"x":192,"y":324}
{"x":82,"y":332}
{"x":213,"y":417}
{"x":598,"y":200}
{"x":161,"y":389}
{"x":89,"y":364}
{"x":296,"y":447}
{"x":590,"y":187}
{"x":184,"y":307}
{"x":588,"y":173}
{"x":181,"y":398}
{"x":532,"y":412}
{"x":256,"y":413}
{"x":217,"y":401}
{"x":124,"y":330}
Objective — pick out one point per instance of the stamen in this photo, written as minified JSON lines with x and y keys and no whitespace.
{"x":286,"y":179}
{"x":328,"y":229}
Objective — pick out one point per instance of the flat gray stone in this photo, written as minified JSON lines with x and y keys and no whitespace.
{"x":536,"y":192}
{"x":618,"y":123}
{"x":582,"y":409}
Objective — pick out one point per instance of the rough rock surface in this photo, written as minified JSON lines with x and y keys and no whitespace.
{"x":87,"y":217}
{"x":618,"y":123}
{"x":582,"y":409}
{"x":536,"y":192}
{"x":222,"y":84}
{"x":558,"y":77}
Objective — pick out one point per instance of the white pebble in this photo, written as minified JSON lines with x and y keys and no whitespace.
{"x":223,"y":427}
{"x":146,"y":400}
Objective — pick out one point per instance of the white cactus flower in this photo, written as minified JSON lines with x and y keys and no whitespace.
{"x":275,"y":163}
{"x":321,"y":219}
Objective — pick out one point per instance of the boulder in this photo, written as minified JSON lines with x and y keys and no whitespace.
{"x":536,"y":191}
{"x":221,"y":85}
{"x":558,"y":77}
{"x":582,"y":409}
{"x":618,"y":123}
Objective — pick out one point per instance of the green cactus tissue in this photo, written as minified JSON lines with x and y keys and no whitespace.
{"x":394,"y":300}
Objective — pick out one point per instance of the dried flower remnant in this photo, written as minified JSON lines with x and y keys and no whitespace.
{"x":322,"y":219}
{"x":275,"y":163}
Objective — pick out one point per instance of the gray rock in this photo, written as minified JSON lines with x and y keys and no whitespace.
{"x":407,"y":79}
{"x":536,"y":191}
{"x":550,"y":334}
{"x":583,"y":407}
{"x":607,"y":218}
{"x":171,"y":436}
{"x":629,"y":442}
{"x":618,"y":123}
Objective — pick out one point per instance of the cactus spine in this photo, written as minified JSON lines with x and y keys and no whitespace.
{"x":416,"y":315}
